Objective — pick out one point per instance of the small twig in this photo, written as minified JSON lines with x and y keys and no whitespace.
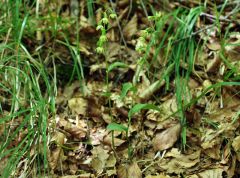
{"x":130,"y":9}
{"x":214,"y":17}
{"x":119,"y":27}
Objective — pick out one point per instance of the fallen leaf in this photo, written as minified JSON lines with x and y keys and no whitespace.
{"x":112,"y":52}
{"x":134,"y":171}
{"x":214,"y":152}
{"x":166,"y":138}
{"x":100,"y":157}
{"x":111,"y":161}
{"x":86,"y":175}
{"x":78,"y":105}
{"x":214,"y":45}
{"x":158,"y":176}
{"x":73,"y":168}
{"x":131,"y":28}
{"x":77,"y":131}
{"x":55,"y":154}
{"x":175,"y":162}
{"x":167,"y":108}
{"x":236,"y":144}
{"x":111,"y":172}
{"x":212,"y":173}
{"x":122,"y":171}
{"x":96,"y":136}
{"x":129,"y":171}
{"x":214,"y":64}
{"x":108,"y":140}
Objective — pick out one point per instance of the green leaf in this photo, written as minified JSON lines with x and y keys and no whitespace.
{"x":139,"y":107}
{"x":126,"y":87}
{"x":116,"y":65}
{"x":117,"y":127}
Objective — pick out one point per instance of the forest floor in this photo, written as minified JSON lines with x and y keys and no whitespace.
{"x":122,"y":88}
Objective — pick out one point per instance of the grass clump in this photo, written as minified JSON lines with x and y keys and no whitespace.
{"x":29,"y":100}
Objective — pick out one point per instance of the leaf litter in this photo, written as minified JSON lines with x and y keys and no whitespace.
{"x":85,"y":144}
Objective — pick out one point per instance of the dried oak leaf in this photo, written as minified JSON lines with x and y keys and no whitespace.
{"x":112,"y":52}
{"x":214,"y":45}
{"x":134,"y":171}
{"x":167,"y":108}
{"x":214,"y":64}
{"x":122,"y":171}
{"x":214,"y":152}
{"x":178,"y":163}
{"x":158,"y":176}
{"x":108,"y":140}
{"x":129,"y":171}
{"x":236,"y":144}
{"x":131,"y":28}
{"x":96,"y":135}
{"x":85,"y":175}
{"x":166,"y":138}
{"x":77,"y":131}
{"x":99,"y":160}
{"x":55,"y":155}
{"x":78,"y":105}
{"x":110,"y":165}
{"x":212,"y":173}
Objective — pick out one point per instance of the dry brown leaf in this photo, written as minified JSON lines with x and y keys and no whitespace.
{"x":236,"y":144}
{"x":214,"y":64}
{"x":117,"y":141}
{"x":212,"y":173}
{"x":215,"y":46}
{"x":94,"y":108}
{"x":129,"y":171}
{"x":55,"y":154}
{"x":86,"y":175}
{"x":232,"y":166}
{"x":98,"y":165}
{"x":77,"y":131}
{"x":167,"y":108}
{"x":166,"y":138}
{"x":210,"y":139}
{"x":158,"y":176}
{"x":111,"y":172}
{"x":67,"y":93}
{"x":78,"y":105}
{"x":112,"y":52}
{"x":178,"y":163}
{"x":96,"y":136}
{"x":131,"y":28}
{"x":73,"y":168}
{"x":100,"y":157}
{"x":134,"y":171}
{"x":111,"y":161}
{"x":95,"y":67}
{"x":214,"y":152}
{"x":226,"y":154}
{"x":192,"y":83}
{"x":122,"y":171}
